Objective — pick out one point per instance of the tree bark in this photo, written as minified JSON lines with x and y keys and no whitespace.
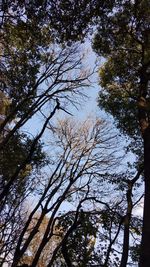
{"x":144,"y":122}
{"x":66,"y":255}
{"x":127,"y":219}
{"x":145,"y":244}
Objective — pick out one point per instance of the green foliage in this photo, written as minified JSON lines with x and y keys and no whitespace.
{"x":25,"y":45}
{"x":135,"y":253}
{"x":72,"y":20}
{"x":80,"y":243}
{"x":16,"y":152}
{"x":122,"y":39}
{"x":69,"y":20}
{"x":11,"y":157}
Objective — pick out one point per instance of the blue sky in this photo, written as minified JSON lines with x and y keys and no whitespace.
{"x":87,"y":107}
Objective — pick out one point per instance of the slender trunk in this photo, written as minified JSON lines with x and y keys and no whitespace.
{"x":111,"y":244}
{"x":125,"y":252}
{"x":65,"y":253}
{"x":124,"y":258}
{"x":144,"y":122}
{"x":145,"y":245}
{"x":7,"y":187}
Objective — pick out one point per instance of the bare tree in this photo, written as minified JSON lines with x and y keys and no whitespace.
{"x":31,"y":89}
{"x":81,"y":153}
{"x":61,"y":78}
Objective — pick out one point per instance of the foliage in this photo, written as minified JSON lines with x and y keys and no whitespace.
{"x":41,"y":74}
{"x":122,"y":38}
{"x":80,"y":243}
{"x":35,"y":76}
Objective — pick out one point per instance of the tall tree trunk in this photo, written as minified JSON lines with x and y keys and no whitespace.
{"x":127,"y":219}
{"x":66,"y":255}
{"x":144,"y":122}
{"x":145,"y":245}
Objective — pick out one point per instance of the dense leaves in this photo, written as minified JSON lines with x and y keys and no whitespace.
{"x":122,"y":38}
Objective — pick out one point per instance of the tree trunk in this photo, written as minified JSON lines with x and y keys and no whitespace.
{"x":145,"y":245}
{"x":125,"y":251}
{"x":66,"y":255}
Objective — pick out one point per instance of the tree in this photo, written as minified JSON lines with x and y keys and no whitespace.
{"x":34,"y":46}
{"x":79,"y":176}
{"x":69,"y":21}
{"x":45,"y":75}
{"x":76,"y":164}
{"x":47,"y":251}
{"x":11,"y":209}
{"x":11,"y":157}
{"x":123,"y":39}
{"x":78,"y":246}
{"x":37,"y":77}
